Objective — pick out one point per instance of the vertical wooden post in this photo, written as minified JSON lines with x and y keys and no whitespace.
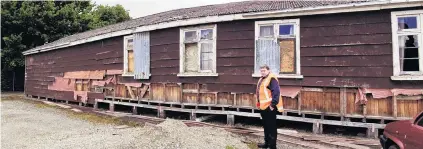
{"x":95,"y":104}
{"x":193,"y":115}
{"x":343,"y":102}
{"x":150,"y":92}
{"x":198,"y":93}
{"x":134,"y":110}
{"x":230,"y":119}
{"x":299,"y":103}
{"x":372,"y":132}
{"x":235,"y":100}
{"x":317,"y":128}
{"x":112,"y":104}
{"x":394,"y":106}
{"x":164,"y":92}
{"x":181,"y":93}
{"x":161,"y":112}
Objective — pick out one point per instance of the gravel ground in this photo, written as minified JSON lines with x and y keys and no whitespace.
{"x":26,"y":125}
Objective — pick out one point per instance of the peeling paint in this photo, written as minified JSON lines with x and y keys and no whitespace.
{"x":291,"y":92}
{"x":82,"y":94}
{"x":114,"y":72}
{"x":98,"y":74}
{"x":62,"y":84}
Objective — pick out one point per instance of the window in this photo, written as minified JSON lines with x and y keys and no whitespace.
{"x":198,"y":51}
{"x":278,"y":46}
{"x":407,"y":33}
{"x":128,"y":51}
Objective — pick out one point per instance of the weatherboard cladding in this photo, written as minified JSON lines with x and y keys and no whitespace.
{"x":350,"y":57}
{"x":202,"y":11}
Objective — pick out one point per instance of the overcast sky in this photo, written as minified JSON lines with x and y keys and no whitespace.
{"x":139,"y":8}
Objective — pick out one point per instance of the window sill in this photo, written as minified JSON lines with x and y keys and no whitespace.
{"x":127,"y":75}
{"x":407,"y":77}
{"x":197,"y":74}
{"x":284,"y":76}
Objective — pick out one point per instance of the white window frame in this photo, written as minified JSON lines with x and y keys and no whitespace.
{"x":198,"y":29}
{"x":125,"y":56}
{"x":275,"y":37}
{"x":398,"y":75}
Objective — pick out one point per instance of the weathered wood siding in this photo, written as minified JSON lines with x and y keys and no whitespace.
{"x":42,"y":68}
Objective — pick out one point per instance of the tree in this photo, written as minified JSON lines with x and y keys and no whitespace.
{"x":27,"y":24}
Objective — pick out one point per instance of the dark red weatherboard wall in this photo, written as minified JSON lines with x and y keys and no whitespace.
{"x":349,"y":49}
{"x":43,"y":67}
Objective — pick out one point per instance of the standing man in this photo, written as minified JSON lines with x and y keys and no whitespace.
{"x":269,"y":102}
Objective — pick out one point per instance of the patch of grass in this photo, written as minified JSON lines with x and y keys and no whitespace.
{"x":252,"y":145}
{"x":229,"y":147}
{"x":101,"y":119}
{"x":90,"y":117}
{"x":10,"y":97}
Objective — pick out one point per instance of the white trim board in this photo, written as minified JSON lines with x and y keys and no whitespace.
{"x":369,"y":6}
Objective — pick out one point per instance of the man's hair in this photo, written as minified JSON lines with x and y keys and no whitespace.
{"x":264,"y":67}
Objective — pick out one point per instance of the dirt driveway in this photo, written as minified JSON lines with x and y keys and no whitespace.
{"x":26,"y":124}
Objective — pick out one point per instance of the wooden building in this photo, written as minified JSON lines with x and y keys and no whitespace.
{"x":344,"y":59}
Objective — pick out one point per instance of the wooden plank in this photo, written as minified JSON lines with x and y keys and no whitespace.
{"x":299,"y":104}
{"x":343,"y":101}
{"x":367,"y":61}
{"x":346,"y":40}
{"x":345,"y":30}
{"x":346,"y":19}
{"x":131,"y":93}
{"x":240,"y":52}
{"x":347,"y":71}
{"x":348,"y":50}
{"x":236,"y":35}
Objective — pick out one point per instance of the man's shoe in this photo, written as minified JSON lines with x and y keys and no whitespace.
{"x":262,"y":145}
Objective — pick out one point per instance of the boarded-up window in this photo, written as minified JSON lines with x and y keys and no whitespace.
{"x":287,"y":63}
{"x":82,"y":85}
{"x":276,"y":46}
{"x":128,"y":55}
{"x":191,"y":57}
{"x":198,"y":50}
{"x":142,"y":55}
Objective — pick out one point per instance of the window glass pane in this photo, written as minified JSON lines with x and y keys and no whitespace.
{"x":207,"y":34}
{"x":130,"y":44}
{"x":286,"y":29}
{"x":206,"y":65}
{"x":266,"y":31}
{"x":409,"y":53}
{"x":206,"y":47}
{"x":190,"y":36}
{"x":407,"y":23}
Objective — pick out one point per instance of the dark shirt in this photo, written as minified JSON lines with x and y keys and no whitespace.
{"x":274,"y":88}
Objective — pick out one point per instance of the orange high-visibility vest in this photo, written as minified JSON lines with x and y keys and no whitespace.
{"x":265,"y":95}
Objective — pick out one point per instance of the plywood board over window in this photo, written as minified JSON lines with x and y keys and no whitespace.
{"x":287,"y":63}
{"x":198,"y":51}
{"x":277,"y":45}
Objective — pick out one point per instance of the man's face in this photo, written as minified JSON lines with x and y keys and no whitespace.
{"x":264,"y":72}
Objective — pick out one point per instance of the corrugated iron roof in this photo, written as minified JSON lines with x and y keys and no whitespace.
{"x":203,"y":11}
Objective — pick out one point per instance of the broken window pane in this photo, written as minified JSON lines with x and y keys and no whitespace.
{"x":286,"y":29}
{"x":207,"y":34}
{"x":130,"y":44}
{"x":190,"y":36}
{"x":407,"y":23}
{"x":191,"y":57}
{"x":266,"y":31}
{"x":287,"y":63}
{"x":409,"y":53}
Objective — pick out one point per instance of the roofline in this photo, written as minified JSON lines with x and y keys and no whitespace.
{"x":368,"y":6}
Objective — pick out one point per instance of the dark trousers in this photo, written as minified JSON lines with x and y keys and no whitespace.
{"x":269,"y":125}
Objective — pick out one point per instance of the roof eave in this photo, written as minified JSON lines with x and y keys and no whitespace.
{"x":368,"y":6}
